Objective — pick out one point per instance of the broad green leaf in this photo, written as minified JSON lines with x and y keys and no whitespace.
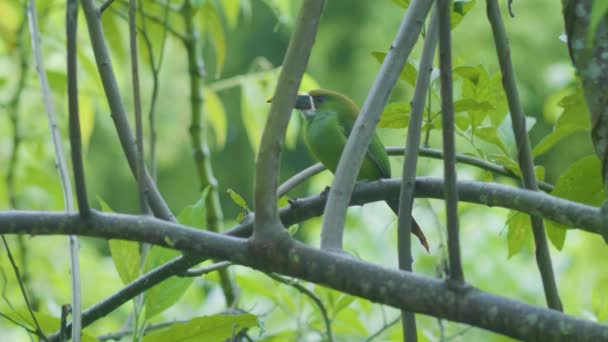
{"x":237,"y":199}
{"x":505,"y":161}
{"x":556,"y":233}
{"x":87,"y":118}
{"x":600,"y":305}
{"x":465,"y":105}
{"x":212,"y":25}
{"x":282,"y":10}
{"x":402,"y":3}
{"x":539,"y":171}
{"x":216,"y":116}
{"x":195,"y":215}
{"x":164,"y":295}
{"x":220,"y":327}
{"x":519,"y":232}
{"x":574,"y":119}
{"x":48,"y":324}
{"x":58,"y":80}
{"x":308,"y":83}
{"x":395,"y":115}
{"x":459,"y":9}
{"x":231,"y":10}
{"x":409,"y":72}
{"x":490,"y":135}
{"x":477,"y":84}
{"x":127,"y":259}
{"x":582,"y":182}
{"x":125,"y":254}
{"x":254,"y":111}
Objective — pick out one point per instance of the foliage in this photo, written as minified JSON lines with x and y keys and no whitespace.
{"x":240,"y":40}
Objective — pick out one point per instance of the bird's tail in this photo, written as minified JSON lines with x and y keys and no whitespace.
{"x":394,"y":205}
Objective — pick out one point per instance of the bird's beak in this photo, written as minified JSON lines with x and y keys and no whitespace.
{"x":304,"y":102}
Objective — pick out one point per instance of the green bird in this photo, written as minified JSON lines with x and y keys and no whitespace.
{"x":329,"y":119}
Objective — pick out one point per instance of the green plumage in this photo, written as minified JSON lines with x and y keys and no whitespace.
{"x":329,"y":120}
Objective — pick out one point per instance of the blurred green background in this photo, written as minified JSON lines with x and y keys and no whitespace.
{"x":341,"y":60}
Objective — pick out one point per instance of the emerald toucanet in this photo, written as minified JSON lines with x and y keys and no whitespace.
{"x":329,"y":119}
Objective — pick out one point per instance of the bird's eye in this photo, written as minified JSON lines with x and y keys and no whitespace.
{"x":319,"y":99}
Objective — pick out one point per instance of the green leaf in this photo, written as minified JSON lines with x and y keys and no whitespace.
{"x":459,"y":9}
{"x":574,"y":119}
{"x":519,"y":232}
{"x":238,"y":199}
{"x":86,"y":109}
{"x":465,"y":105}
{"x":216,"y":116}
{"x":219,"y":327}
{"x":402,"y":3}
{"x":395,"y":115}
{"x":490,"y":135}
{"x":164,"y":295}
{"x":556,"y":233}
{"x":195,"y":215}
{"x":582,"y":182}
{"x":409,"y":72}
{"x":231,"y":10}
{"x":254,"y":111}
{"x":127,"y":259}
{"x":212,"y":24}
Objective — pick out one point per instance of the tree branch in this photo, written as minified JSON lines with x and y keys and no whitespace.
{"x":365,"y":125}
{"x":399,"y":289}
{"x":61,"y":164}
{"x":412,"y":145}
{"x":267,"y":223}
{"x":524,"y":153}
{"x":119,"y":116}
{"x":449,"y":145}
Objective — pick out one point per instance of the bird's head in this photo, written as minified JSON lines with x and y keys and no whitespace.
{"x":322,"y":100}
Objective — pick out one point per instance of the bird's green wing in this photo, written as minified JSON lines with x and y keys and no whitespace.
{"x":376,"y":164}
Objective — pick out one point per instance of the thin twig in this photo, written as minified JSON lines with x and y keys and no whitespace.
{"x":105,"y":6}
{"x":267,"y":223}
{"x":526,"y":163}
{"x":139,"y":135}
{"x":117,"y":336}
{"x":104,"y":65}
{"x":200,"y":147}
{"x":62,"y":167}
{"x":299,"y":178}
{"x":199,"y":271}
{"x":74,"y":116}
{"x":38,"y":330}
{"x":302,"y":289}
{"x":154,"y":19}
{"x":365,"y":125}
{"x":449,"y":148}
{"x":412,"y":145}
{"x":383,"y":329}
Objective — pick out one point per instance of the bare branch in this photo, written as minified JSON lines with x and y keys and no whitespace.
{"x":197,"y":272}
{"x":524,"y":153}
{"x":412,"y":145}
{"x":267,"y":223}
{"x":399,"y":289}
{"x":364,"y":128}
{"x":62,"y":167}
{"x":449,"y":145}
{"x":119,"y":116}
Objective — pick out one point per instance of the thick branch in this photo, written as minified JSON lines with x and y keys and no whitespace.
{"x":365,"y":126}
{"x":524,"y":153}
{"x":399,"y":289}
{"x":268,"y":160}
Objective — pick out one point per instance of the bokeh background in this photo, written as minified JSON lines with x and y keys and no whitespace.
{"x":342,"y":61}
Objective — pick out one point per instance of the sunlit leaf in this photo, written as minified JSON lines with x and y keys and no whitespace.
{"x":574,"y":119}
{"x":195,"y":215}
{"x":395,"y":115}
{"x":519,"y":232}
{"x":238,"y":199}
{"x":212,"y":24}
{"x":459,"y":9}
{"x":231,"y":10}
{"x":490,"y":134}
{"x":216,"y":116}
{"x":409,"y":72}
{"x":86,"y":109}
{"x":220,"y":327}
